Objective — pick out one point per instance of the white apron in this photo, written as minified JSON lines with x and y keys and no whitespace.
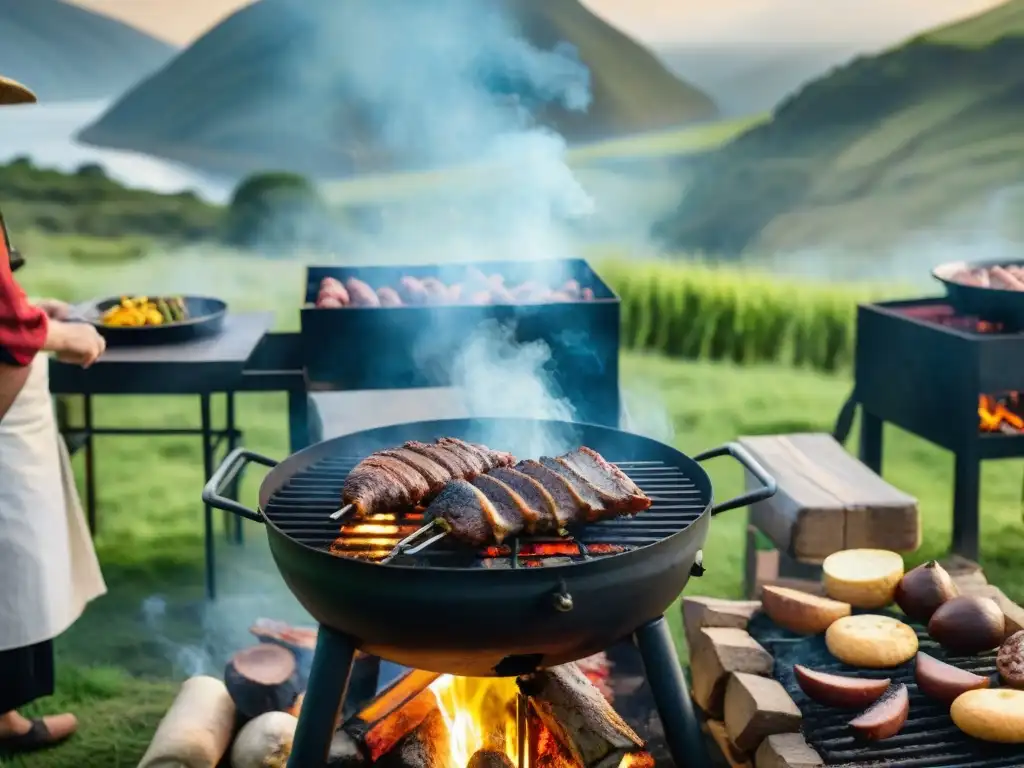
{"x":48,"y":567}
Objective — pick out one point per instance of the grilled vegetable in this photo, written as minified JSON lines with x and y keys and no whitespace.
{"x":138,"y":311}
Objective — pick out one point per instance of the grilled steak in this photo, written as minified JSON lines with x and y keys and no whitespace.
{"x":435,"y":474}
{"x":472,"y":517}
{"x":593,"y":501}
{"x":496,"y":458}
{"x":373,"y":488}
{"x":450,"y":461}
{"x":615,"y":487}
{"x":464,"y":451}
{"x":569,"y":504}
{"x":535,"y":495}
{"x":510,"y":504}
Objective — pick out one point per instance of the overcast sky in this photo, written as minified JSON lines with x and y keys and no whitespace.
{"x":660,"y":22}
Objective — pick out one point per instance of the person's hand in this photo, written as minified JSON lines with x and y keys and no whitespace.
{"x":78,"y":343}
{"x":55,"y":309}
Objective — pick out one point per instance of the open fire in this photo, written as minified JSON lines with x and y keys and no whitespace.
{"x":558,"y":718}
{"x":1000,"y":414}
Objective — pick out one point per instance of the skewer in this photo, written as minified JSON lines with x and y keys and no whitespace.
{"x":338,"y":514}
{"x":405,"y":546}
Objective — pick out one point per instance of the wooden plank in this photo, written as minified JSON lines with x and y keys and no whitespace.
{"x":734,"y":758}
{"x":787,"y":750}
{"x":718,"y":652}
{"x":755,"y":708}
{"x":828,"y":500}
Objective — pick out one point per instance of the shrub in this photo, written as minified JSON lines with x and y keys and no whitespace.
{"x":697,"y":312}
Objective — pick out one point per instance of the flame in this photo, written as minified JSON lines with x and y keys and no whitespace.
{"x":480,"y":713}
{"x":997,"y":415}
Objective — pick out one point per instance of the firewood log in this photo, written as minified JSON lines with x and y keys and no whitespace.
{"x":426,"y":746}
{"x":197,"y":729}
{"x":715,"y":653}
{"x":263,"y":678}
{"x":755,"y":708}
{"x":578,"y":716}
{"x":787,"y":750}
{"x":384,"y":734}
{"x":489,"y":758}
{"x":265,"y":742}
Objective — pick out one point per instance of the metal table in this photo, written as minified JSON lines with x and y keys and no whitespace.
{"x":241,"y":358}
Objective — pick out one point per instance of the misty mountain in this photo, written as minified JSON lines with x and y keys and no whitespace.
{"x":64,"y":52}
{"x":307,"y":87}
{"x":917,"y":140}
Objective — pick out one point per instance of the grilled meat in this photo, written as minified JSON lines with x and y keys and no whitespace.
{"x":614,"y":485}
{"x":529,"y":497}
{"x":412,"y":291}
{"x":471,"y":515}
{"x":569,"y":504}
{"x":388,"y":297}
{"x":417,"y":472}
{"x":435,"y":474}
{"x":450,"y":461}
{"x":535,"y":495}
{"x":360,"y":294}
{"x":510,"y":504}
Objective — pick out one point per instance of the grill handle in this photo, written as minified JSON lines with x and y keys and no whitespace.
{"x":749,"y":463}
{"x":225,"y":474}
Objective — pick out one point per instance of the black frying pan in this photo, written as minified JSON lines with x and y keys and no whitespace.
{"x":205,"y":318}
{"x":994,"y":305}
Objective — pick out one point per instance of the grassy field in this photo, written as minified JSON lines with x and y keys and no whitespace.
{"x":935,"y":150}
{"x":117,"y":664}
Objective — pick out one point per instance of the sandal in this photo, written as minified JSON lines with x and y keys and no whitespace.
{"x":37,"y":737}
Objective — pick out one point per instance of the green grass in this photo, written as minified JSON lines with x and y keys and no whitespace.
{"x":1005,"y":19}
{"x":149,"y":541}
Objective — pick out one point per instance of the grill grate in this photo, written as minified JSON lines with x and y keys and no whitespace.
{"x":302,"y":508}
{"x":928,"y":740}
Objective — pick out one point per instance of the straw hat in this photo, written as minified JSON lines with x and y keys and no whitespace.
{"x":12,"y":92}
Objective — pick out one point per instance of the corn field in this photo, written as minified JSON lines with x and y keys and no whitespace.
{"x":696,"y":312}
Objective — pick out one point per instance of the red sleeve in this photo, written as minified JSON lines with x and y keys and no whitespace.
{"x":22,"y":327}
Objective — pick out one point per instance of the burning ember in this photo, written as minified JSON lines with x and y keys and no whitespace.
{"x":1000,"y":414}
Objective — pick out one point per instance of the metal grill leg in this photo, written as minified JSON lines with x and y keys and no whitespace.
{"x":328,"y":684}
{"x":671,"y":697}
{"x":211,"y":565}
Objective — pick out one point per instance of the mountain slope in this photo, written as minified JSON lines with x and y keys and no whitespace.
{"x":64,"y":52}
{"x":885,"y":147}
{"x":297,"y":82}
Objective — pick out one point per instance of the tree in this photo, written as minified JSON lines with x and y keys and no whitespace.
{"x":276,"y":211}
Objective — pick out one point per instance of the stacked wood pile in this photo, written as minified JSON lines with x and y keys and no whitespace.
{"x":749,"y":715}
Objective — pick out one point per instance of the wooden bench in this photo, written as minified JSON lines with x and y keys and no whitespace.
{"x":827,"y":501}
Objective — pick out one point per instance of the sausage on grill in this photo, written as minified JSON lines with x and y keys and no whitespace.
{"x":598,"y":491}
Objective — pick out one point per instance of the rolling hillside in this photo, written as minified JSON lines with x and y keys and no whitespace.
{"x":269,"y":85}
{"x":918,"y":139}
{"x":66,"y":53}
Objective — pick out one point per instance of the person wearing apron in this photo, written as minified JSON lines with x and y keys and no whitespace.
{"x":48,"y":567}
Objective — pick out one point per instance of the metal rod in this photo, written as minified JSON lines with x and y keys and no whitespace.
{"x":521,"y":726}
{"x":340,"y":513}
{"x":211,"y":569}
{"x":90,"y":464}
{"x":403,"y":547}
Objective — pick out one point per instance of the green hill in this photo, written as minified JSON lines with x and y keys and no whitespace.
{"x":65,"y":52}
{"x":916,"y":139}
{"x":260,"y":89}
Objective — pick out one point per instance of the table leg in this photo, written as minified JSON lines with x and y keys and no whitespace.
{"x":90,"y":464}
{"x":207,"y":429}
{"x":871,"y":441}
{"x":233,"y":523}
{"x":966,"y":492}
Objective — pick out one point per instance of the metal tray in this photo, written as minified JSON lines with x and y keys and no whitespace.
{"x":205,"y":318}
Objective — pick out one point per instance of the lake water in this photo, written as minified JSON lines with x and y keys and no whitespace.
{"x":46,"y":134}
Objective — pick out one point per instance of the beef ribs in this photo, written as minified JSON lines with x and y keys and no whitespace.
{"x":569,"y":504}
{"x":374,"y":488}
{"x":615,"y":487}
{"x":593,"y":500}
{"x":535,"y":495}
{"x":413,"y":484}
{"x":451,"y":461}
{"x":472,"y":457}
{"x":470,"y":514}
{"x":435,"y":474}
{"x":509,"y":504}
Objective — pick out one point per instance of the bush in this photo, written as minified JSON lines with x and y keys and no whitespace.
{"x":696,"y":312}
{"x":276,"y":211}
